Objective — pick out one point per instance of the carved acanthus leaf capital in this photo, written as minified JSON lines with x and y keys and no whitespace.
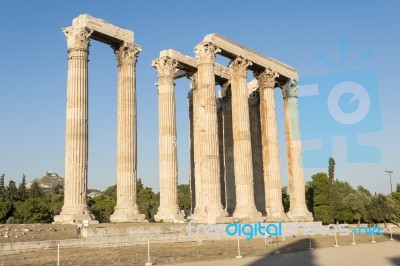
{"x":206,"y":52}
{"x":238,"y":66}
{"x":266,"y":78}
{"x":290,"y":89}
{"x":127,"y":53}
{"x":77,"y":38}
{"x":165,"y":66}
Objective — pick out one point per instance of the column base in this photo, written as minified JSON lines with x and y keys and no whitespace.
{"x":216,"y":212}
{"x":169,"y":216}
{"x":277,"y":217}
{"x":127,"y":215}
{"x":74,"y":215}
{"x":210,"y":215}
{"x":300,"y":215}
{"x":199,"y":213}
{"x":247,"y":212}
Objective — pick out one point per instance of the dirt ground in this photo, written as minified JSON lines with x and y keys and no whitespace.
{"x":36,"y":232}
{"x":161,"y":253}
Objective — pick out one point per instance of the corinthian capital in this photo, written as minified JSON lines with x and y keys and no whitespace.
{"x":290,"y":89}
{"x":77,"y":38}
{"x":165,"y":66}
{"x":266,"y":78}
{"x":206,"y":52}
{"x":238,"y":66}
{"x":127,"y":53}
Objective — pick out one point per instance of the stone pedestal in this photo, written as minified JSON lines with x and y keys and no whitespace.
{"x":270,"y":147}
{"x":245,"y":206}
{"x":75,"y":209}
{"x":168,"y":210}
{"x":209,"y":161}
{"x":126,"y":209}
{"x":298,"y":208}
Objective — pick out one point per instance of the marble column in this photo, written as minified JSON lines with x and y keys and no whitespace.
{"x":75,"y":209}
{"x":192,"y":181}
{"x":126,"y":209}
{"x":168,"y":210}
{"x":298,"y":208}
{"x":221,"y":151}
{"x":270,"y":146}
{"x":230,"y":190}
{"x":199,"y":211}
{"x":256,"y":149}
{"x":208,"y":131}
{"x":245,"y":205}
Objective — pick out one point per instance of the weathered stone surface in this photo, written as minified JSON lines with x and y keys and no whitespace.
{"x":78,"y":36}
{"x":270,"y":146}
{"x":245,"y":205}
{"x":208,"y":131}
{"x":256,"y":149}
{"x":126,"y":209}
{"x":168,"y":209}
{"x":298,"y":208}
{"x":75,"y":208}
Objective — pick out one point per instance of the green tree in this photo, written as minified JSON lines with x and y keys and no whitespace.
{"x":111,"y":192}
{"x":139,"y":185}
{"x":364,"y":190}
{"x":148,"y":202}
{"x":285,"y":199}
{"x":35,"y":191}
{"x":22,"y":191}
{"x":33,"y":210}
{"x":381,"y":208}
{"x":333,"y":199}
{"x":5,"y":211}
{"x":320,"y":186}
{"x":358,"y":202}
{"x":102,"y":207}
{"x":56,"y":203}
{"x":310,"y":197}
{"x":2,"y":188}
{"x":11,"y":194}
{"x":184,"y":197}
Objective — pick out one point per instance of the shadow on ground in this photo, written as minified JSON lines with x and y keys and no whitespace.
{"x":302,"y":252}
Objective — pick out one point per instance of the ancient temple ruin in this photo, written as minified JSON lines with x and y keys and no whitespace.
{"x":234,"y":151}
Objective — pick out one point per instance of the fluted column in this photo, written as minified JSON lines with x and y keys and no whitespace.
{"x":208,"y":131}
{"x":75,"y":208}
{"x":221,"y":151}
{"x":298,"y":208}
{"x":126,"y":209}
{"x":230,"y":188}
{"x":270,"y":146}
{"x":199,"y":211}
{"x":245,"y":206}
{"x":168,"y":164}
{"x":192,"y":181}
{"x":256,"y":149}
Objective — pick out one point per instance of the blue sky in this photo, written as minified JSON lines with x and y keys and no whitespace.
{"x":33,"y":71}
